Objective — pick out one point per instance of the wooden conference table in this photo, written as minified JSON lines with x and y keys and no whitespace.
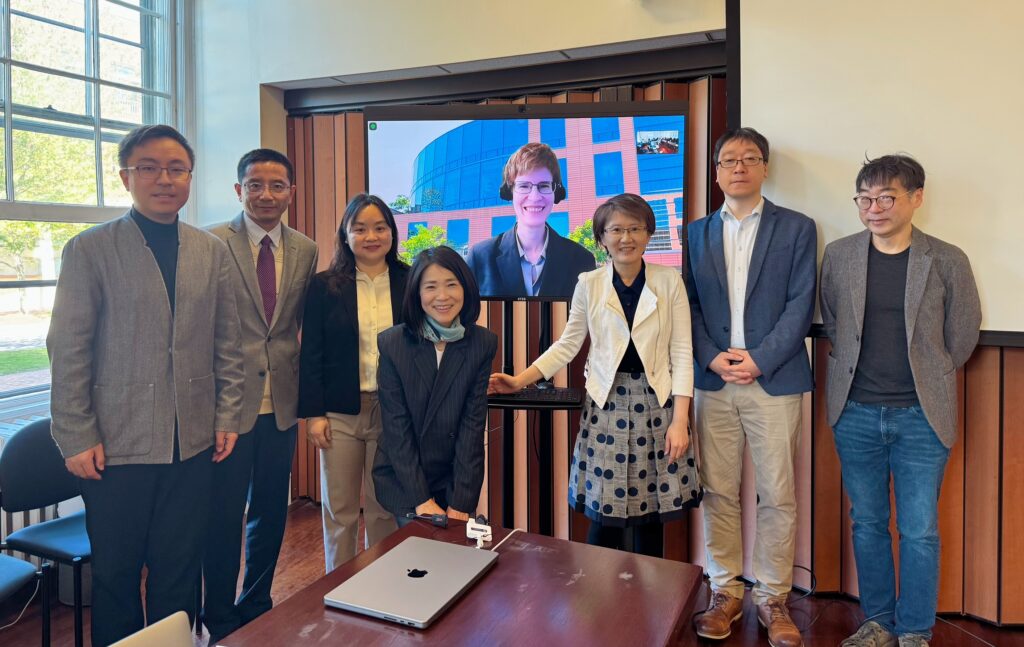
{"x":542,"y":590}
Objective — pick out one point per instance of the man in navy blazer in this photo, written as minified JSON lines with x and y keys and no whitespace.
{"x":751,"y":284}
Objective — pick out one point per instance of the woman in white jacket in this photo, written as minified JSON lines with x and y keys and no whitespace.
{"x":632,"y":465}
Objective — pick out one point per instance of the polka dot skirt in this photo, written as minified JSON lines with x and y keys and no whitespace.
{"x":620,"y":475}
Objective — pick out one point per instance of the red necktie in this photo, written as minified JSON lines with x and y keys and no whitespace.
{"x":267,"y":278}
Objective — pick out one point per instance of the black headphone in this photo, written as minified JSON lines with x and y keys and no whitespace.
{"x":505,"y":192}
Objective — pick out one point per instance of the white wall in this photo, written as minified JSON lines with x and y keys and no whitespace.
{"x":244,"y":43}
{"x":831,"y":82}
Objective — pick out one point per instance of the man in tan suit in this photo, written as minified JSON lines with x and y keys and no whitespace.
{"x":147,"y":385}
{"x":271,"y":265}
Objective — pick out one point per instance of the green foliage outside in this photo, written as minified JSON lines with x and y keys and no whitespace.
{"x":19,"y":241}
{"x":402,"y":204}
{"x":584,"y":235}
{"x":424,"y":238}
{"x":62,"y":168}
{"x":20,"y":361}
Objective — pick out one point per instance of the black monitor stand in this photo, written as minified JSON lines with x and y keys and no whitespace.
{"x":544,"y":477}
{"x":508,"y":423}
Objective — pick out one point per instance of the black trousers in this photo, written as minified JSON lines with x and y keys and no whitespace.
{"x":152,"y":516}
{"x":645,"y":539}
{"x":257,"y":472}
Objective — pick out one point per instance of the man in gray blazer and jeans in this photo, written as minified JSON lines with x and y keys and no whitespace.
{"x":271,"y":265}
{"x":146,"y":385}
{"x":902,"y":312}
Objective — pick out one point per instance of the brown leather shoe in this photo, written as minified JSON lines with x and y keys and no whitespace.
{"x":716,"y":622}
{"x":774,"y":616}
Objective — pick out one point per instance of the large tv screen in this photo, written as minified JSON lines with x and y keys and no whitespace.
{"x":442,"y":168}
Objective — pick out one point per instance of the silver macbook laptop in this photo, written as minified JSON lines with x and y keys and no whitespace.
{"x":414,"y":582}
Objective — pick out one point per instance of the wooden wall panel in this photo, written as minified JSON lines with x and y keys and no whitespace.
{"x":307,"y":453}
{"x":533,"y":439}
{"x":485,"y":489}
{"x":981,"y":499}
{"x":324,"y":177}
{"x":305,"y":464}
{"x":717,"y":126}
{"x":697,"y":134}
{"x":340,"y":145}
{"x":294,"y":221}
{"x":355,"y":149}
{"x":826,"y":484}
{"x":495,"y":433}
{"x":951,"y":520}
{"x":561,"y":428}
{"x":1012,"y":571}
{"x":522,"y":477}
{"x":308,"y":213}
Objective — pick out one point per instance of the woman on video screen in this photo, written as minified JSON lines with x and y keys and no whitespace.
{"x":531,"y":259}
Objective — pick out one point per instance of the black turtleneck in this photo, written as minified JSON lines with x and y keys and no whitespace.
{"x":162,"y":240}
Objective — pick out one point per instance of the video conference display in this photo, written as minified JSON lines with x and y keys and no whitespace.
{"x":443,"y":179}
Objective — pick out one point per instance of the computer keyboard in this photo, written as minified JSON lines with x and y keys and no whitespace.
{"x":534,"y":398}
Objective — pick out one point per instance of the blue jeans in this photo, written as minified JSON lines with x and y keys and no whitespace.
{"x":874,"y":441}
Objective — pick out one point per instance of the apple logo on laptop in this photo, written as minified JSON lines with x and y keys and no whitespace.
{"x":415,"y":572}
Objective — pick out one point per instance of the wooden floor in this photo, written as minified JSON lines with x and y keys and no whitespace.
{"x":824,"y":620}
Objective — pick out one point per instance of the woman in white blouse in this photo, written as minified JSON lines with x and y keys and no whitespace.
{"x":632,"y":464}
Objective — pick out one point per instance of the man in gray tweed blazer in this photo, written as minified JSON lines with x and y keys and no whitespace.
{"x":272,"y":265}
{"x":146,"y":365}
{"x":901,"y":309}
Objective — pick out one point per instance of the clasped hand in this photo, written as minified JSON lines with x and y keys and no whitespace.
{"x":735,"y":366}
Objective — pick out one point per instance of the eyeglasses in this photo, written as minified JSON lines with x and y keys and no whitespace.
{"x":746,"y":161}
{"x":884,"y":202}
{"x":152,"y":171}
{"x":620,"y":232}
{"x":257,"y":188}
{"x":524,"y":188}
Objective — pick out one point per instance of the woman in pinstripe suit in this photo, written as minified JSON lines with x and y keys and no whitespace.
{"x":432,"y":383}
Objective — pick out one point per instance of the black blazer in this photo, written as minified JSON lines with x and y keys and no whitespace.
{"x":496,"y":265}
{"x":432,"y":443}
{"x":329,"y":356}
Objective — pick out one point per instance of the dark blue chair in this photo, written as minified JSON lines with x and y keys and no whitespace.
{"x":15,"y":574}
{"x":32,"y":475}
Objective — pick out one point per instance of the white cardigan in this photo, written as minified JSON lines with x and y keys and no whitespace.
{"x":661,"y":333}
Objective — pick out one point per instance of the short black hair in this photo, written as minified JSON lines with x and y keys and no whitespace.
{"x":451,"y":260}
{"x":883,"y":170}
{"x":143,"y":134}
{"x":745,"y":134}
{"x":265,"y":155}
{"x":629,"y":204}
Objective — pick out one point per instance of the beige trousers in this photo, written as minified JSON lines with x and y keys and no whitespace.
{"x":344,"y":467}
{"x":770,"y":426}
